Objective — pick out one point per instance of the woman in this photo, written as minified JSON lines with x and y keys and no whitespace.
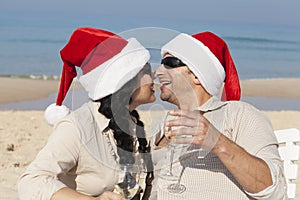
{"x":82,"y":154}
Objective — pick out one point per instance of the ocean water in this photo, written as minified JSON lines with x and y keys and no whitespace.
{"x":30,"y":44}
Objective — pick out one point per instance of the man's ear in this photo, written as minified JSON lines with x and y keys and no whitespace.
{"x":196,"y":80}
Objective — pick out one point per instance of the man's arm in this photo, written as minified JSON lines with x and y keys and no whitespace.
{"x":251,"y":172}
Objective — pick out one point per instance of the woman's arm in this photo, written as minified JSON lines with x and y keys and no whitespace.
{"x":59,"y":155}
{"x":69,"y":194}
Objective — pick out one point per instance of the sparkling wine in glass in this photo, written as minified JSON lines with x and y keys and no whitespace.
{"x":128,"y":184}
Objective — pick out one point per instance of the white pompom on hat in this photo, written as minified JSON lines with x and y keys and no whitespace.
{"x":107,"y":62}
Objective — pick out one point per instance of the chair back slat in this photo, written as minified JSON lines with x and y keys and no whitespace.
{"x":291,"y":190}
{"x":287,"y":135}
{"x":289,"y":150}
{"x":290,"y":171}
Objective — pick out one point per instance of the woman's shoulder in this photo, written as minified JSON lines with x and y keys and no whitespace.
{"x":76,"y":120}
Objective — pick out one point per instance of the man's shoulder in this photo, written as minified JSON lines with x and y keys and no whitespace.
{"x":245,"y":111}
{"x":241,"y":104}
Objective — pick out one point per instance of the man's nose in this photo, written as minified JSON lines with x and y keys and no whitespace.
{"x":159,"y":71}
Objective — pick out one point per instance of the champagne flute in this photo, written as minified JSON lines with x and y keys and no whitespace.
{"x":169,"y":175}
{"x":128,"y":184}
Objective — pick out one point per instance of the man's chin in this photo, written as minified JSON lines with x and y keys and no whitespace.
{"x":166,"y":98}
{"x":163,"y":98}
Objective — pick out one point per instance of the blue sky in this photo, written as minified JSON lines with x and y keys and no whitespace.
{"x":277,"y":12}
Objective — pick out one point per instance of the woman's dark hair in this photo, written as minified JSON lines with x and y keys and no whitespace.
{"x":116,"y":108}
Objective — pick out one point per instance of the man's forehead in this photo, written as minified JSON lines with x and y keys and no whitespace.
{"x":168,"y":55}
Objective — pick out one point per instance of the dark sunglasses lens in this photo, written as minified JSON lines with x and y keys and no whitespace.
{"x":172,"y":62}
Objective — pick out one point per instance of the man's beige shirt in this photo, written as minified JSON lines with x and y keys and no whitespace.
{"x":204,"y":175}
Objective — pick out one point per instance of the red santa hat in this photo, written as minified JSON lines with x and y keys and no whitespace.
{"x":106,"y":60}
{"x":208,"y":57}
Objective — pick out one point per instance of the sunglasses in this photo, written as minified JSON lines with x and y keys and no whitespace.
{"x":172,"y":62}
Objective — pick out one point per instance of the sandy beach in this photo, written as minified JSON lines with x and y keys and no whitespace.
{"x":24,"y":133}
{"x":22,"y":89}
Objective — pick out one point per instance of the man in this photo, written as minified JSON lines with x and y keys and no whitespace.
{"x":236,"y":150}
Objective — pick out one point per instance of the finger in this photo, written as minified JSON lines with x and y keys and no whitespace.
{"x":185,"y":113}
{"x":108,"y":195}
{"x":185,"y":131}
{"x":182,"y":121}
{"x":116,"y":196}
{"x":183,"y":140}
{"x":195,"y":140}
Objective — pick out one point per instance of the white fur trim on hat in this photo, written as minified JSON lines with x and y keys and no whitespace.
{"x":55,"y":113}
{"x":111,"y":75}
{"x":199,"y":59}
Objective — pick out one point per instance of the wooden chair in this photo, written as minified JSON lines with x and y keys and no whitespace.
{"x":289,"y":151}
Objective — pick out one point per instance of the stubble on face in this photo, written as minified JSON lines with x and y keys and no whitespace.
{"x":180,"y":84}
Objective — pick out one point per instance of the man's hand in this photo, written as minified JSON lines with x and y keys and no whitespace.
{"x":192,"y":128}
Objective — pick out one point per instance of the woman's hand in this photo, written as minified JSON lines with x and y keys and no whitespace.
{"x":108,"y":195}
{"x":68,"y":193}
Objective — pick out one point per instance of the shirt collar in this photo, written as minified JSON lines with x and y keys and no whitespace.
{"x":101,"y":120}
{"x":211,"y":104}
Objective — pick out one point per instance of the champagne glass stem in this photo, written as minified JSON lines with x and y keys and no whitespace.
{"x":179,"y":178}
{"x":171,"y":158}
{"x":177,"y":187}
